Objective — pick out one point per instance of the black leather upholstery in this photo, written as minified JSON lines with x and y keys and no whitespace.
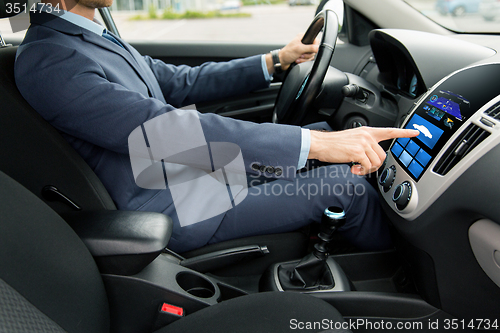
{"x":44,"y":265}
{"x":122,"y":242}
{"x":121,"y":233}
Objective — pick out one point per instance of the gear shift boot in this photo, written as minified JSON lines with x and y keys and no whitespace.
{"x":309,"y":274}
{"x":315,"y":271}
{"x":277,"y":278}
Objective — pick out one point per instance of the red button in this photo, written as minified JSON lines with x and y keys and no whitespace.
{"x":172,"y":309}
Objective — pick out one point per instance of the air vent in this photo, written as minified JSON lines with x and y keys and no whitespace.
{"x":494,"y":111}
{"x":468,"y":140}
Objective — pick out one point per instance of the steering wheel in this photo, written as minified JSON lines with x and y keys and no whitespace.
{"x":302,"y":82}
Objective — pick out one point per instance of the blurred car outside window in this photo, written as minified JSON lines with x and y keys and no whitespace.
{"x":469,"y":16}
{"x":252,"y":21}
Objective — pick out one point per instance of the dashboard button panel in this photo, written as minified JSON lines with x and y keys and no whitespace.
{"x":387,"y":177}
{"x":402,"y":195}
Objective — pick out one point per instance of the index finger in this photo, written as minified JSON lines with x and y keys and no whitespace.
{"x":381,"y":134}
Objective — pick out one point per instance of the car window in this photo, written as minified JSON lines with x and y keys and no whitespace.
{"x":14,"y":32}
{"x":273,"y":21}
{"x":267,"y":21}
{"x":461,"y":15}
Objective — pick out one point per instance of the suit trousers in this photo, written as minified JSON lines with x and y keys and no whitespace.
{"x":278,"y":206}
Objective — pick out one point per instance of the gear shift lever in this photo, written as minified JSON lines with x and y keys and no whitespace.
{"x":333,"y":218}
{"x":312,"y":271}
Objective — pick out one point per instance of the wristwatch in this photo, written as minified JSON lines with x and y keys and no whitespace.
{"x":276,"y":61}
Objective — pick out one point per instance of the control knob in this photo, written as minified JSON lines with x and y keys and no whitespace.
{"x":402,"y":195}
{"x":387,"y":177}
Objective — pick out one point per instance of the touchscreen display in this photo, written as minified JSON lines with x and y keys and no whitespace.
{"x":443,"y":112}
{"x":429,"y":133}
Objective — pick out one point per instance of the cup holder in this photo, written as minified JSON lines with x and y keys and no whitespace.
{"x":195,"y":285}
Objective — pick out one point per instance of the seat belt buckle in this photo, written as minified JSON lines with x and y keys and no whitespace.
{"x":167,"y":314}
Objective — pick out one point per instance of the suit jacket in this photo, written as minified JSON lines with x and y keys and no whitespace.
{"x":96,"y":93}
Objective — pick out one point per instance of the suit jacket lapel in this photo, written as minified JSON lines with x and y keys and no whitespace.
{"x":126,"y":53}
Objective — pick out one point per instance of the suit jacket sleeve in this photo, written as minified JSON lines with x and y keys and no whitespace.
{"x":72,"y":92}
{"x":184,"y":85}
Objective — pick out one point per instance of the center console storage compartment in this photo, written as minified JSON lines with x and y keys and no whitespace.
{"x":135,"y":300}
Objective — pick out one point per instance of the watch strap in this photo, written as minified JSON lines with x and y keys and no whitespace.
{"x":276,"y":61}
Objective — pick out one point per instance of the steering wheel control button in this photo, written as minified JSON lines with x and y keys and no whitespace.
{"x":255,"y":167}
{"x":402,"y":195}
{"x":278,"y":171}
{"x":387,"y":177}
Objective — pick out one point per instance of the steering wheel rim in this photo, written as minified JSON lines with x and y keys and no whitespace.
{"x":291,"y":107}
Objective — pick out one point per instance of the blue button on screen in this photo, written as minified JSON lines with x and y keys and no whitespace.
{"x":405,"y":158}
{"x":403,"y":141}
{"x":412,"y":148}
{"x":397,"y":149}
{"x":415,"y":168}
{"x":423,"y":157}
{"x":429,"y":133}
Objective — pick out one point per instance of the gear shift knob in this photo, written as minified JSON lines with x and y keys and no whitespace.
{"x":333,"y":218}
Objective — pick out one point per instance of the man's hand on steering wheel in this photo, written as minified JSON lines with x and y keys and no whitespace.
{"x":295,"y":51}
{"x":302,"y":85}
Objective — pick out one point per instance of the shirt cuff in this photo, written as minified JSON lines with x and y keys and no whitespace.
{"x":304,"y":148}
{"x":264,"y":68}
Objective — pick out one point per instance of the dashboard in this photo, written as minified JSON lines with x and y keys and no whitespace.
{"x":455,"y":82}
{"x":455,"y":131}
{"x":439,"y":189}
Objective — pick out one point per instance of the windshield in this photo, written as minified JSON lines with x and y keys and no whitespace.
{"x":462,"y":15}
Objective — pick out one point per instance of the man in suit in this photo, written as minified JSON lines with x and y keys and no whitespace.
{"x":96,"y":89}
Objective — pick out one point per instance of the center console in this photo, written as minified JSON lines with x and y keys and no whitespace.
{"x":457,"y":121}
{"x":149,"y":287}
{"x":137,"y":302}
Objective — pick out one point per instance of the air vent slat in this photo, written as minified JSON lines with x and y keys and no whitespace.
{"x":450,"y":156}
{"x":464,"y":144}
{"x":494,"y":111}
